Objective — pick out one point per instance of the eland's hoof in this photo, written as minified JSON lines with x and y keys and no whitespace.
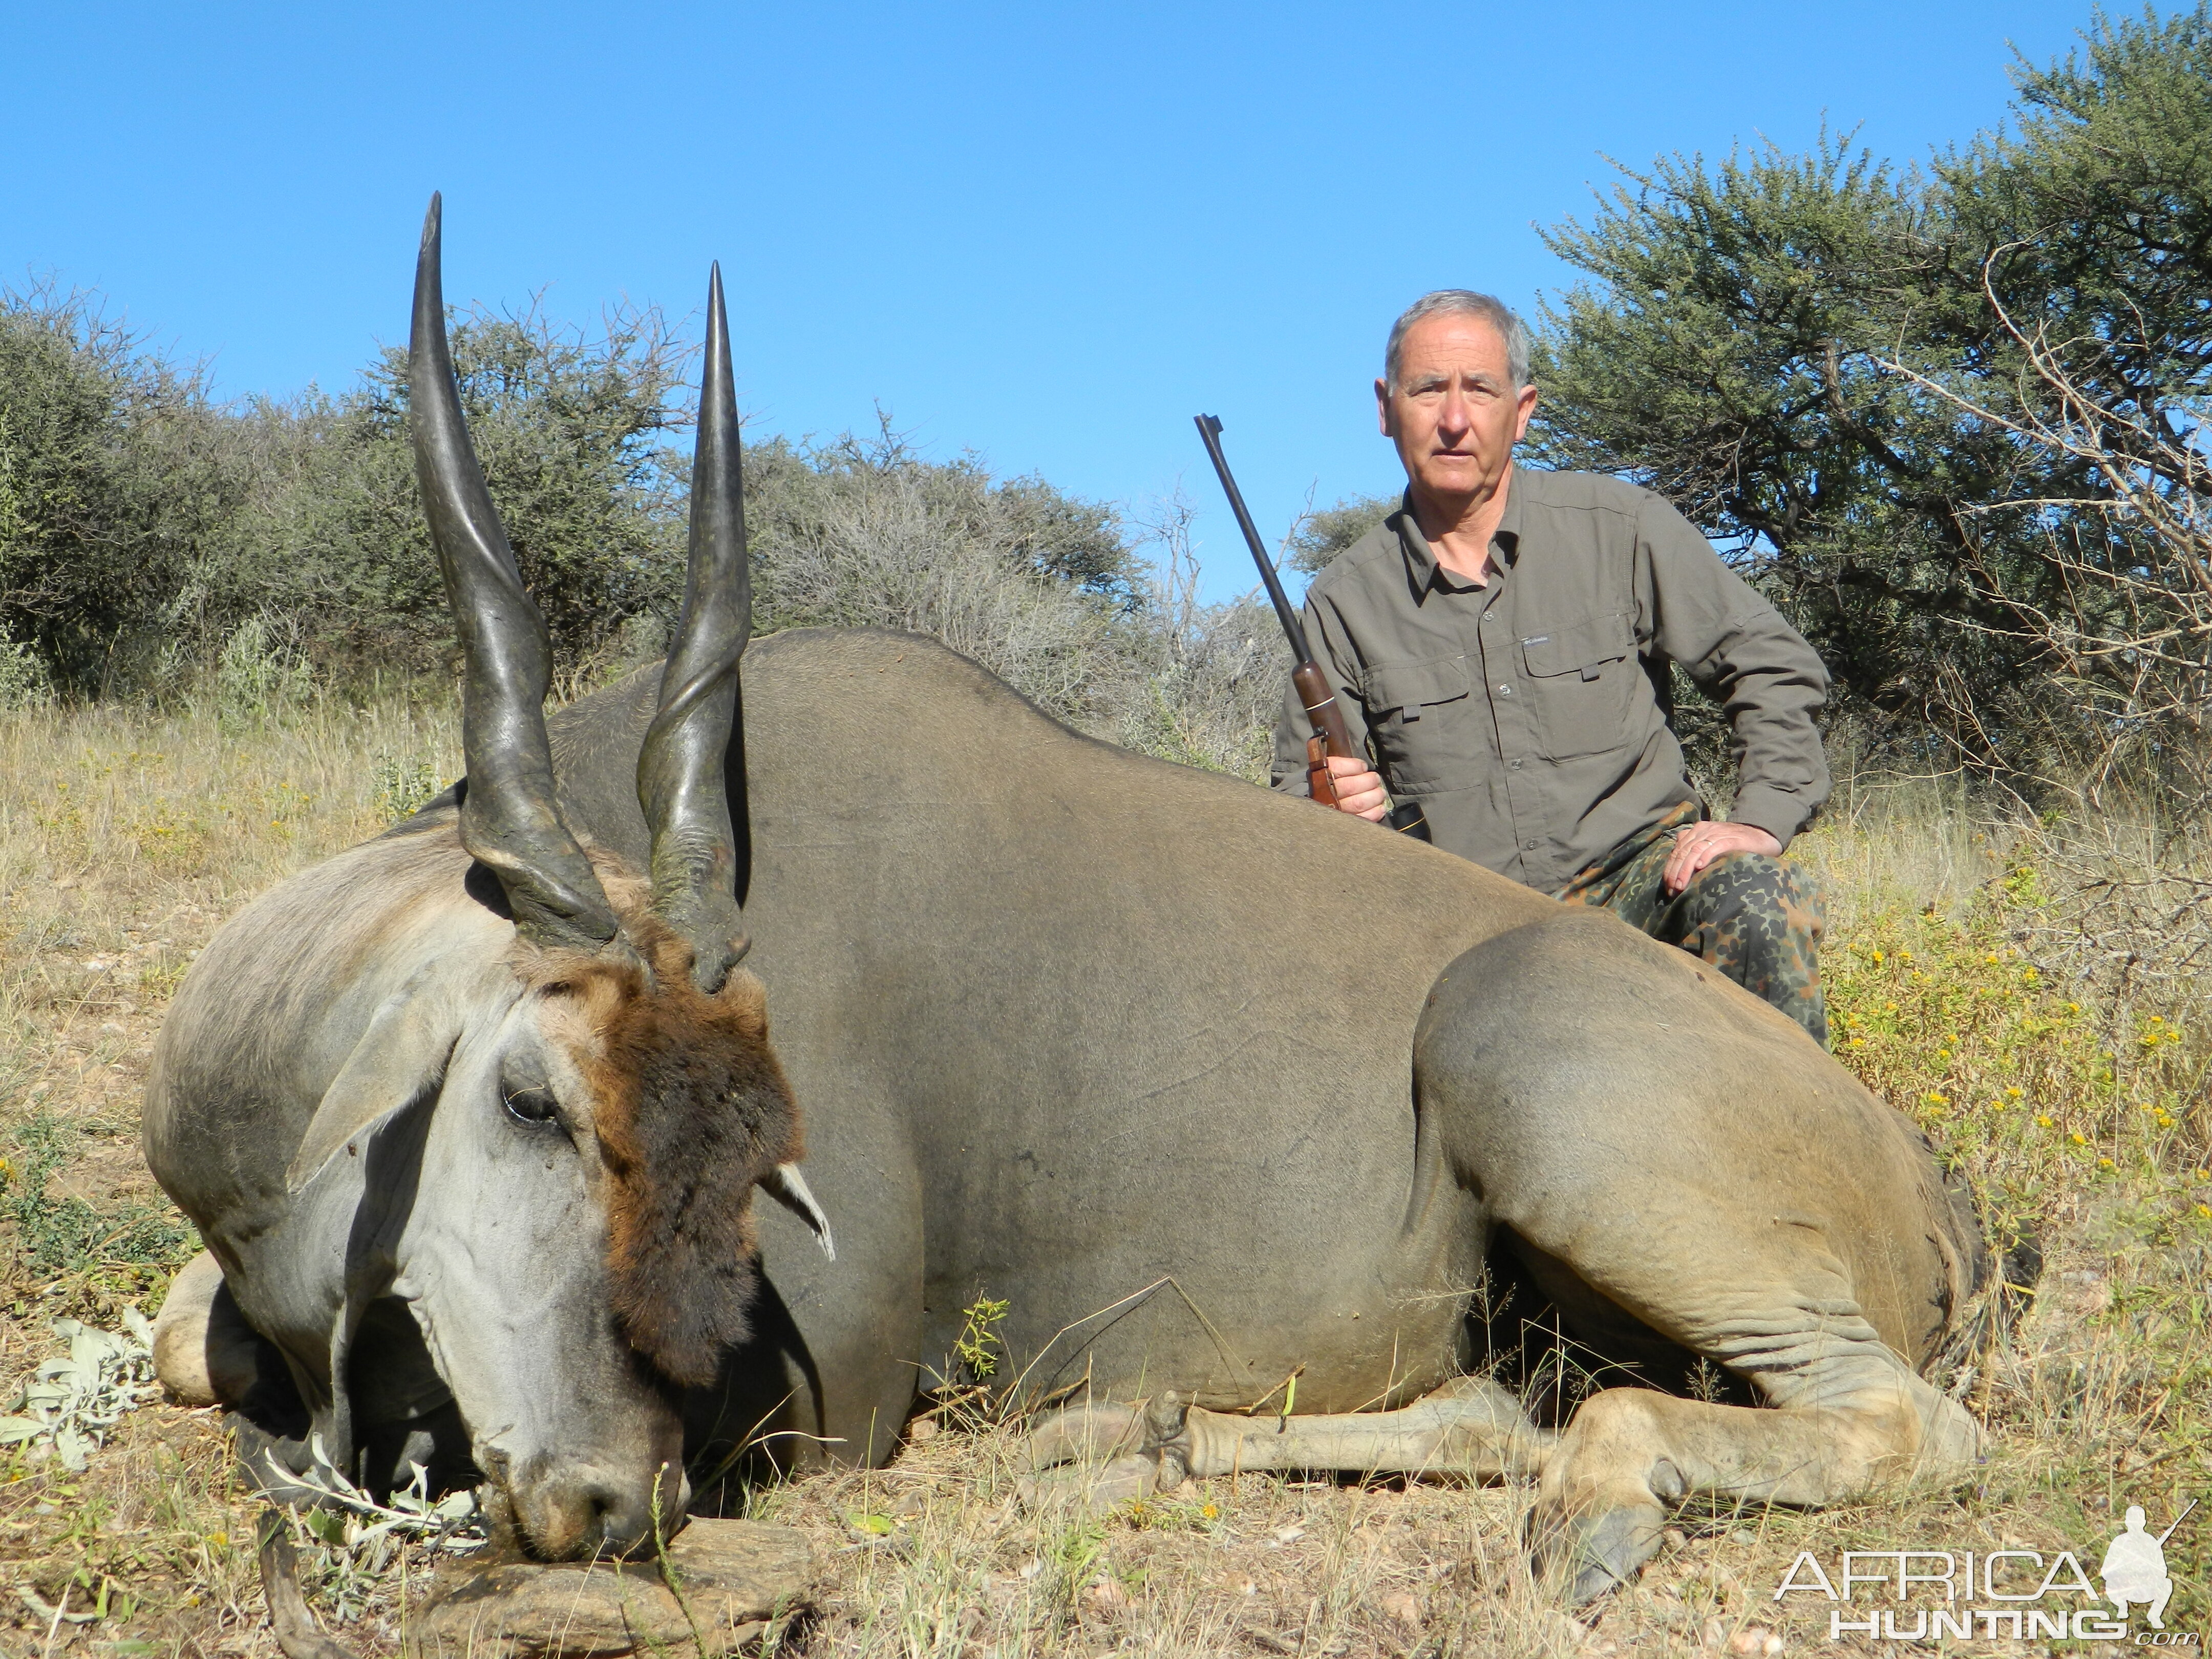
{"x":1108,"y":1454}
{"x":1092,"y":1488}
{"x":1593,"y":1555}
{"x":1086,"y":1434}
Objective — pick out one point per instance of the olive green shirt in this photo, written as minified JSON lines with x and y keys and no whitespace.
{"x":1528,"y":716}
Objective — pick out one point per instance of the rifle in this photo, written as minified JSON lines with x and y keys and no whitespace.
{"x":1330,"y":734}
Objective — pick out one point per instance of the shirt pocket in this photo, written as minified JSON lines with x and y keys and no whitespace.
{"x":1579,"y":678}
{"x":1422,"y":714}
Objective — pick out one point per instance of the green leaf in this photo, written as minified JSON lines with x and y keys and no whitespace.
{"x":327,"y":1525}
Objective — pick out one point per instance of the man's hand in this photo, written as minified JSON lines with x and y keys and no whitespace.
{"x":1359,"y":788}
{"x":1701,"y":843}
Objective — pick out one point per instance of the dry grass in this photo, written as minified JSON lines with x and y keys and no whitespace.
{"x":1956,"y":978}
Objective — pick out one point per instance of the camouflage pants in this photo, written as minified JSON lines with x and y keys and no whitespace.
{"x":1755,"y":919}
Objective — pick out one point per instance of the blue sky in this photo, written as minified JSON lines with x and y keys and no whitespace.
{"x":1048,"y":233}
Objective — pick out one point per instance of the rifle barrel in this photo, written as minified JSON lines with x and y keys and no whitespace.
{"x":2177,"y":1520}
{"x":1209,"y":429}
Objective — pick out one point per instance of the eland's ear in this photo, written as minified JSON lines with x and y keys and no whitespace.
{"x":402,"y":1053}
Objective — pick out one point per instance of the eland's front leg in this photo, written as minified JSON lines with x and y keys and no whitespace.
{"x":1469,"y":1429}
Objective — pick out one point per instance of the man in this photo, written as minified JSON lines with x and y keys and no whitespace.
{"x":1500,"y":645}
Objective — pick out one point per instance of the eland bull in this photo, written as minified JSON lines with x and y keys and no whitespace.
{"x":1211,"y":1088}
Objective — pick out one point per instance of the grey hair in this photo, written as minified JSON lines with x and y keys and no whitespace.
{"x":1463,"y":302}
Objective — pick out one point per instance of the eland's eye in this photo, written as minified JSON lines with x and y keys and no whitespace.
{"x":530,"y":1105}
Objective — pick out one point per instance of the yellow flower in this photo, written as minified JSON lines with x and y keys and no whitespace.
{"x":2203,"y":1175}
{"x":1935,"y":1099}
{"x":2014,"y":1091}
{"x":2106,"y":1164}
{"x":2158,"y":1019}
{"x":1212,"y":1511}
{"x":2072,"y":1007}
{"x":1904,"y":956}
{"x":1877,"y":958}
{"x":1858,"y":1043}
{"x":1942,"y":1053}
{"x":2078,"y":1137}
{"x":2205,"y":1210}
{"x":1992,"y":958}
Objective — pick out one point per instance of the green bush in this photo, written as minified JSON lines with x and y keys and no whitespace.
{"x":112,"y":1254}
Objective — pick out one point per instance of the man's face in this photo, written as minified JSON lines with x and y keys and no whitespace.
{"x":1454,"y":415}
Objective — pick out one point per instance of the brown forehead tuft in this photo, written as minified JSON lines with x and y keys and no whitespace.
{"x":692,"y":1109}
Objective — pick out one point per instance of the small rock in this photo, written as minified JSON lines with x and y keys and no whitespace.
{"x":1674,"y":1538}
{"x":1725,"y":1584}
{"x":921,"y":1429}
{"x":1403,"y":1606}
{"x":1108,"y":1596}
{"x":109,"y":1028}
{"x":1715,"y":1635}
{"x":1755,"y":1642}
{"x":1742,"y":1536}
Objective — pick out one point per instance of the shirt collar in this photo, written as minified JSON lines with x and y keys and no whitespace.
{"x":1422,"y":570}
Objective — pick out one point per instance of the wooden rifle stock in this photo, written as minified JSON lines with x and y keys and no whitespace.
{"x":1330,"y":734}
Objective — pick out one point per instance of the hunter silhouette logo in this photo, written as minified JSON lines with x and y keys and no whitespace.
{"x":2009,"y":1593}
{"x":2134,"y":1568}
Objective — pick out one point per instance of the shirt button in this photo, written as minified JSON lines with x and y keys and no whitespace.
{"x":1514,"y":765}
{"x":1505,"y":690}
{"x":1528,"y":845}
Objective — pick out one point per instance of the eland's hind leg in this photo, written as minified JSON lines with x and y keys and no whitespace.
{"x":1844,"y":1413}
{"x":1678,"y":1158}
